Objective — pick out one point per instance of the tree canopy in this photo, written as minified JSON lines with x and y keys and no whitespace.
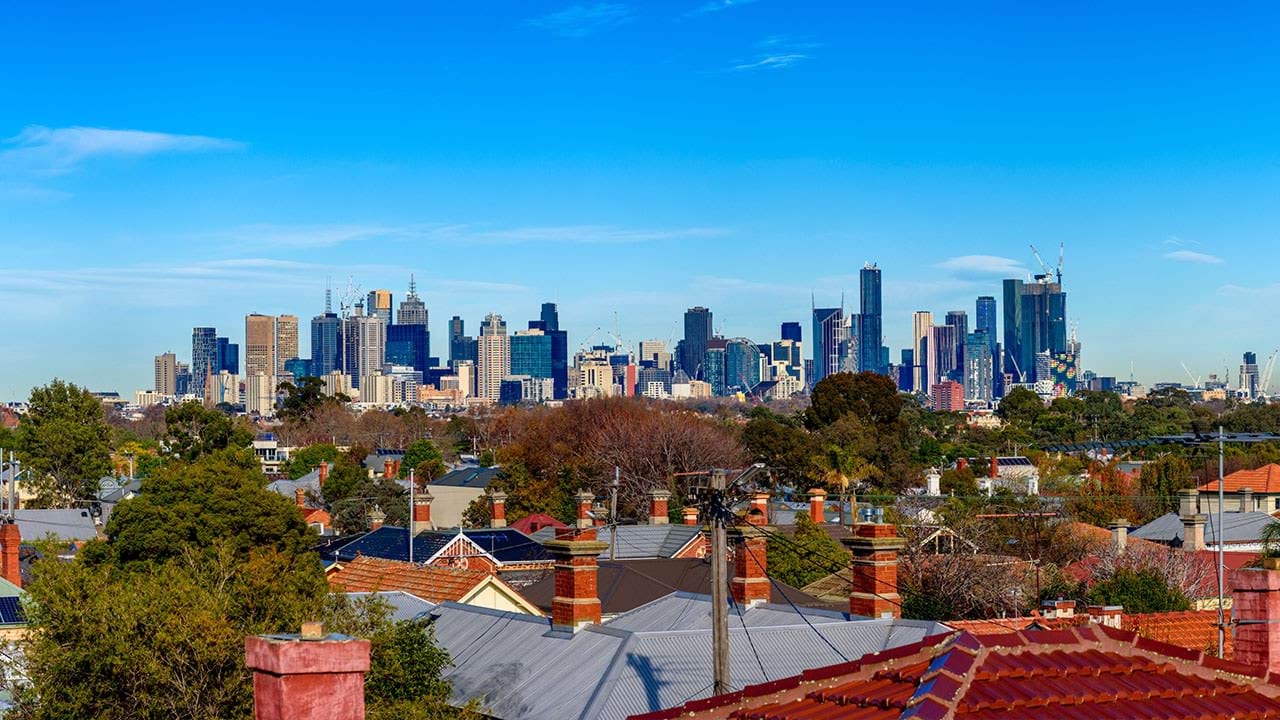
{"x":64,"y":441}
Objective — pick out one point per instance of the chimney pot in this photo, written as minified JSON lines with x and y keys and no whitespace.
{"x":576,"y":603}
{"x":1246,"y":500}
{"x":584,"y":500}
{"x":1119,"y":534}
{"x":1256,"y":605}
{"x":1188,"y":502}
{"x":817,"y":505}
{"x":750,"y":583}
{"x":690,"y":515}
{"x":10,"y":545}
{"x":1108,"y":615}
{"x":758,"y":509}
{"x":312,"y":676}
{"x":387,"y":469}
{"x":300,"y":497}
{"x":659,"y":501}
{"x":324,"y":472}
{"x":995,"y":467}
{"x":421,"y":521}
{"x":497,"y":509}
{"x":962,"y":463}
{"x":875,"y":549}
{"x":376,"y":517}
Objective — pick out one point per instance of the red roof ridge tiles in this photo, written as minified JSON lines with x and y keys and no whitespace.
{"x":431,"y":583}
{"x":1083,"y":672}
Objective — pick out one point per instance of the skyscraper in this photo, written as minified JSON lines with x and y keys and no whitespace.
{"x":378,"y":304}
{"x":413,"y":311}
{"x":828,"y":332}
{"x":1041,"y":323}
{"x":493,"y":357}
{"x":697,"y":332}
{"x":959,"y":320}
{"x":713,"y":365}
{"x":166,"y":372}
{"x":550,"y":321}
{"x":984,"y":319}
{"x":870,"y":321}
{"x":941,"y":353}
{"x":326,"y":344}
{"x":1248,"y":375}
{"x":744,"y":365}
{"x":286,"y":340}
{"x":228,"y":356}
{"x":364,"y":346}
{"x":979,"y":377}
{"x":408,"y":345}
{"x":259,"y":345}
{"x":531,"y":353}
{"x":791,"y":331}
{"x":204,"y":356}
{"x":653,"y":353}
{"x":921,"y":321}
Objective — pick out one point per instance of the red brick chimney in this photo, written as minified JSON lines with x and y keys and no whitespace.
{"x":309,"y":676}
{"x":584,"y":500}
{"x":995,"y":467}
{"x":395,"y":468}
{"x":497,"y":509}
{"x":299,"y":497}
{"x":750,"y":583}
{"x":10,"y":544}
{"x":962,"y":463}
{"x":324,"y":471}
{"x":758,"y":510}
{"x":875,"y":549}
{"x":576,"y":603}
{"x":376,"y":518}
{"x":658,"y":501}
{"x":818,"y":505}
{"x":388,"y":469}
{"x":690,"y":515}
{"x":421,"y":513}
{"x":1256,"y":606}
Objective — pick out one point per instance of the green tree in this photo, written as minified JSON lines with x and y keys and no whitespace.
{"x":309,"y":458}
{"x":1020,"y":406}
{"x":959,"y":481}
{"x":809,"y":555}
{"x":425,"y":459}
{"x":64,"y":441}
{"x":1139,"y":591}
{"x":871,"y":396}
{"x":303,"y":398}
{"x":192,"y":430}
{"x":1159,"y":482}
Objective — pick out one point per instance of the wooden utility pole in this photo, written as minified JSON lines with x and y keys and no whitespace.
{"x":613,"y":513}
{"x":719,"y":586}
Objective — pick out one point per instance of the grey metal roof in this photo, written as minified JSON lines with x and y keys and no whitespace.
{"x":692,"y":611}
{"x":309,"y":483}
{"x":64,"y":524}
{"x":1237,"y":527}
{"x":468,"y":477}
{"x":610,"y":672}
{"x":404,"y":606}
{"x":639,"y":541}
{"x":783,"y":512}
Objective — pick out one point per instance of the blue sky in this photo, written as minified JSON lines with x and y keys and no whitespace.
{"x":165,"y":167}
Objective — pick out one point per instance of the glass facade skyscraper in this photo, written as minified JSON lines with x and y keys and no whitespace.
{"x":742,"y":362}
{"x":713,"y":368}
{"x":409,"y":345}
{"x":326,"y":344}
{"x":959,"y":320}
{"x":228,"y":356}
{"x":531,"y":354}
{"x":204,"y":356}
{"x":697,"y":333}
{"x":828,"y":332}
{"x":550,"y":321}
{"x":870,"y":321}
{"x":791,"y":331}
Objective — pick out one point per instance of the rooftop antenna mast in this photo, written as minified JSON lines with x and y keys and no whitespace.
{"x":1061,"y":245}
{"x":328,"y":295}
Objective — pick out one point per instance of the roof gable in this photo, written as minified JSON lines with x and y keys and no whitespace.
{"x":1265,"y":479}
{"x":434,"y":584}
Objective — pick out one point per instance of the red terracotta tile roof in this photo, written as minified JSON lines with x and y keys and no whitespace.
{"x":315,"y":515}
{"x":431,"y":583}
{"x":531,"y":524}
{"x":1265,"y":479}
{"x":1191,"y":629}
{"x":1084,"y":673}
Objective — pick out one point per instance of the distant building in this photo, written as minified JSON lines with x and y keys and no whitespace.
{"x":531,"y":354}
{"x":228,"y":356}
{"x":297,"y":368}
{"x":959,"y":320}
{"x":365,"y":345}
{"x":259,"y":345}
{"x":413,"y":311}
{"x":946,"y":396}
{"x":222,"y":389}
{"x":326,"y":344}
{"x":921,"y":323}
{"x":1249,"y":375}
{"x":494,"y":357}
{"x":409,"y":344}
{"x":713,"y":366}
{"x":828,"y":340}
{"x":979,"y":373}
{"x":286,"y":340}
{"x":550,"y":324}
{"x":791,"y":331}
{"x":378,"y":305}
{"x":744,"y":365}
{"x":204,"y":357}
{"x":941,"y":354}
{"x":166,"y":374}
{"x":697,"y":332}
{"x":1035,"y":322}
{"x":654,"y":352}
{"x":337,"y":383}
{"x":260,"y":395}
{"x":870,"y":332}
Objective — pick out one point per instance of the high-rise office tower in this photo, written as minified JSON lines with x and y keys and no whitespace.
{"x":907,"y":371}
{"x":182,"y":379}
{"x":493,"y":357}
{"x":204,"y":357}
{"x":462,"y":348}
{"x":286,"y":341}
{"x":870,"y":321}
{"x":941,"y":353}
{"x":791,"y":331}
{"x":828,"y":336}
{"x":921,"y":322}
{"x":743,"y":364}
{"x":654,"y":353}
{"x":1249,"y":375}
{"x":531,"y":353}
{"x":378,"y":304}
{"x":959,"y":320}
{"x":259,"y":345}
{"x":409,"y":345}
{"x":791,"y":354}
{"x":326,"y":344}
{"x":1012,"y":351}
{"x":166,"y":370}
{"x":697,"y":332}
{"x":1041,"y":324}
{"x":364,"y":346}
{"x":979,"y":375}
{"x":984,"y":321}
{"x":413,"y":311}
{"x":713,"y":365}
{"x":228,"y":356}
{"x":550,"y":322}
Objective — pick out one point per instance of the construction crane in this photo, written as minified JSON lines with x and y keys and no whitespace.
{"x":1022,"y":378}
{"x":350,"y":296}
{"x":1195,"y":381}
{"x":1264,"y":382}
{"x":1048,"y":271}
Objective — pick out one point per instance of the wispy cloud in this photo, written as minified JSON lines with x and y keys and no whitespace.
{"x":1191,"y":256}
{"x":777,"y":52}
{"x":1272,"y":290}
{"x":718,"y":5}
{"x":292,"y":237}
{"x":40,"y":150}
{"x":582,"y":20}
{"x":982,"y":265}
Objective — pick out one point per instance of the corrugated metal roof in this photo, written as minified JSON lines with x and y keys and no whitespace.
{"x":613,"y":671}
{"x":404,"y":606}
{"x":468,"y":477}
{"x":636,"y":542}
{"x":64,"y":524}
{"x":1237,"y":527}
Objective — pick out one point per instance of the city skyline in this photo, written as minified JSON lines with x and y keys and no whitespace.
{"x":761,"y":157}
